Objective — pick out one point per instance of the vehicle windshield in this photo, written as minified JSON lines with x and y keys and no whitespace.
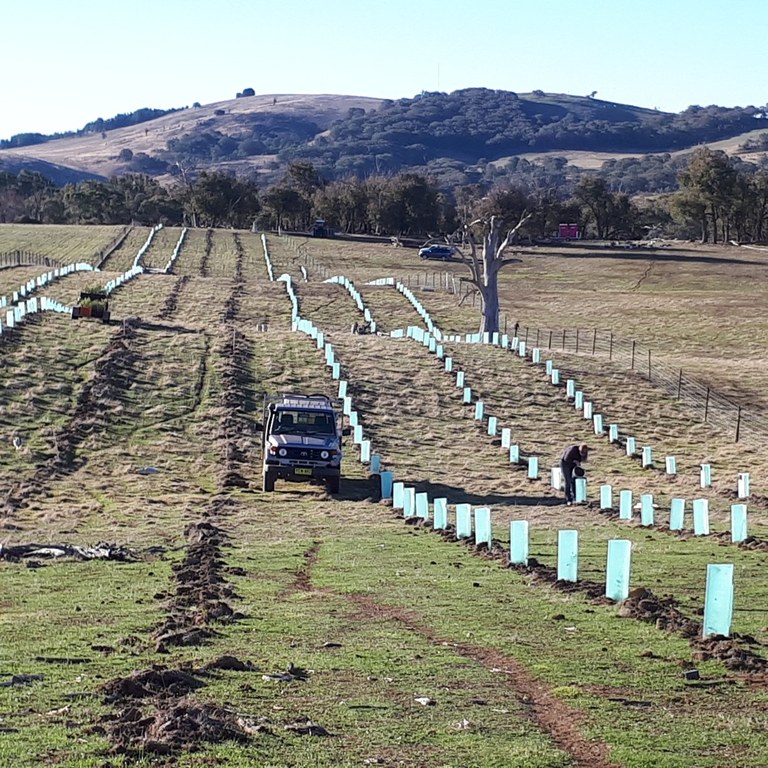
{"x":295,"y":422}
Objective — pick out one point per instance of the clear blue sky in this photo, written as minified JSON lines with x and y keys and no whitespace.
{"x":66,"y":62}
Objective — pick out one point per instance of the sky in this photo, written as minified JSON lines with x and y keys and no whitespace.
{"x":64,"y":63}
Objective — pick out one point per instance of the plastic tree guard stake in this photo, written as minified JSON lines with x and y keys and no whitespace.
{"x":533,"y":467}
{"x":570,"y":388}
{"x":398,"y":494}
{"x":515,"y":342}
{"x":353,"y":422}
{"x":347,"y":405}
{"x":521,"y":349}
{"x":422,"y":505}
{"x":597,"y":422}
{"x":459,"y":379}
{"x":365,"y":451}
{"x":613,"y":433}
{"x":625,"y":505}
{"x":440,"y":352}
{"x":467,"y":395}
{"x":738,"y":522}
{"x":479,"y":410}
{"x":701,"y":517}
{"x":548,"y":366}
{"x":631,"y":446}
{"x":514,"y":454}
{"x":492,"y":426}
{"x":555,"y":377}
{"x":518,"y":542}
{"x":441,"y":514}
{"x":606,"y":497}
{"x":557,"y":479}
{"x":432,"y":344}
{"x":486,"y":338}
{"x":375,"y":464}
{"x":647,"y":456}
{"x":495,"y":339}
{"x":357,"y":438}
{"x":646,"y":509}
{"x":618,"y":569}
{"x":409,"y":501}
{"x":320,"y":340}
{"x":578,"y":399}
{"x":506,"y":437}
{"x":536,"y":355}
{"x":567,"y":555}
{"x":342,"y":388}
{"x":581,"y":490}
{"x":387,"y":485}
{"x":706,"y":475}
{"x":677,"y":515}
{"x":463,"y":521}
{"x":743,"y":485}
{"x":588,"y":410}
{"x":505,"y":341}
{"x":718,"y":600}
{"x":671,"y":463}
{"x":483,"y":526}
{"x":449,"y":364}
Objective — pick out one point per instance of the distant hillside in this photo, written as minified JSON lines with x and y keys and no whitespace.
{"x":451,"y":136}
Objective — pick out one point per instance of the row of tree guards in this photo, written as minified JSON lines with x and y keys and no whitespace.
{"x":469,"y":523}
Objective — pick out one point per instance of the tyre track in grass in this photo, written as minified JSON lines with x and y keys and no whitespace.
{"x":546,"y":711}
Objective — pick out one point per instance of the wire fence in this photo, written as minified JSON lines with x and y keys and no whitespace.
{"x":26,"y":259}
{"x":712,"y":406}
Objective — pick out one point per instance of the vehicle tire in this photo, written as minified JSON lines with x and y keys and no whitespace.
{"x":268,"y":481}
{"x":332,"y":483}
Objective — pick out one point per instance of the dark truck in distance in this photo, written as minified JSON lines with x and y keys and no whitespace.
{"x":302,"y":440}
{"x":441,"y":252}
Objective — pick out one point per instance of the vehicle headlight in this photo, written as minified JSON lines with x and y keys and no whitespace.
{"x":282,"y":452}
{"x":324,"y":454}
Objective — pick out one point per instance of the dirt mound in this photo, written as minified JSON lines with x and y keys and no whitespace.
{"x":643,"y":605}
{"x":178,"y":725}
{"x":731,"y":652}
{"x":158,"y":681}
{"x":202,"y":592}
{"x":172,"y":300}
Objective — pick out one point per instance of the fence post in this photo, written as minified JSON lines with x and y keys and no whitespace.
{"x":633,"y":355}
{"x":537,"y":337}
{"x":549,"y":345}
{"x":577,"y":341}
{"x":563,"y":338}
{"x":610,"y":347}
{"x":649,"y":365}
{"x":679,"y":383}
{"x":738,"y":425}
{"x":526,"y":335}
{"x":505,"y":325}
{"x":706,"y":405}
{"x":594,"y":341}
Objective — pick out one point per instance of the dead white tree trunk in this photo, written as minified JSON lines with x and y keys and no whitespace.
{"x":484,"y":268}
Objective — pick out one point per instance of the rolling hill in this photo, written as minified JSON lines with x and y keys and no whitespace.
{"x":449,"y":136}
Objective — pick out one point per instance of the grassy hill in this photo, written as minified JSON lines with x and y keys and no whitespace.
{"x":218,"y":624}
{"x":448,"y":135}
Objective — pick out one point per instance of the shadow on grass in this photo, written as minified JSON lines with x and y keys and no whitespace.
{"x":648,"y":255}
{"x":359,"y":489}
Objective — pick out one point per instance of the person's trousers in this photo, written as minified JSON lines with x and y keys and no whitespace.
{"x":569,"y":480}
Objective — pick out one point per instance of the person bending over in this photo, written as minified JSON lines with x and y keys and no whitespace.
{"x":573,"y":456}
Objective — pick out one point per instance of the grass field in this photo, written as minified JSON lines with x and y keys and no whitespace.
{"x":300,"y":629}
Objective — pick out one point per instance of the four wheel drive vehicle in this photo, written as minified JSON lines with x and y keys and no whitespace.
{"x":443,"y":252}
{"x":302,"y":440}
{"x":92,"y":304}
